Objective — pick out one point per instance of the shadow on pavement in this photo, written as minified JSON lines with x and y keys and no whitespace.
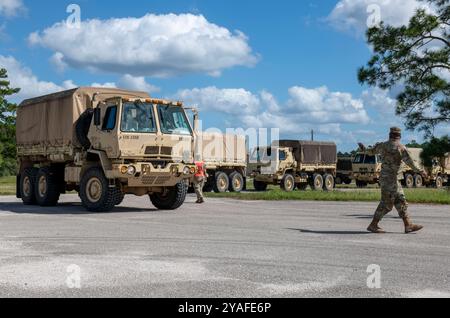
{"x":369,"y":216}
{"x":63,"y":208}
{"x":331,"y":232}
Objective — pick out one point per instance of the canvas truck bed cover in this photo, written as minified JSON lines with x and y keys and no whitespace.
{"x":220,"y":148}
{"x":50,"y":120}
{"x":312,"y":152}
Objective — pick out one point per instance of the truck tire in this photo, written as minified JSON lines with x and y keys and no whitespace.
{"x":328,"y":182}
{"x":259,"y":186}
{"x":418,"y":181}
{"x":172,"y":199}
{"x":95,"y":193}
{"x":317,"y":182}
{"x":409,"y":181}
{"x":221,"y":182}
{"x":439,"y":183}
{"x":82,"y":128}
{"x":46,"y":187}
{"x":338,"y":180}
{"x":119,"y":196}
{"x":236,"y":182}
{"x":361,"y":184}
{"x":27,"y":184}
{"x":348,"y":181}
{"x":288,"y":183}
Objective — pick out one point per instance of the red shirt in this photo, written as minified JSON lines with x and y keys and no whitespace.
{"x":200,"y":171}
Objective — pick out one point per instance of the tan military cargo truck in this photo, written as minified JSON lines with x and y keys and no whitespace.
{"x":225,"y":158}
{"x":292,"y":164}
{"x":438,"y":173}
{"x":367,"y":168}
{"x":103,"y":143}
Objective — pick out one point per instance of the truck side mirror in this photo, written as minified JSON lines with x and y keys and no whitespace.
{"x":97,"y":115}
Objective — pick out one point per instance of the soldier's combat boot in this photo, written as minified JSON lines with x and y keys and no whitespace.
{"x":374,"y":228}
{"x":410,"y":227}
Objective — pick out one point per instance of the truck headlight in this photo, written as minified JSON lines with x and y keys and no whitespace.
{"x":186,"y":170}
{"x":174,"y":170}
{"x":131,"y":170}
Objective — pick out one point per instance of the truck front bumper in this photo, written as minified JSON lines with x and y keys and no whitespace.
{"x":366,"y":177}
{"x":144,"y":174}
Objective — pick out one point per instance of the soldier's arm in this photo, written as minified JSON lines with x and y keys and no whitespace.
{"x":406,"y":158}
{"x":375,"y":150}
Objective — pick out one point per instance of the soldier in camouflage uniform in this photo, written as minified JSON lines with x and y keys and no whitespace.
{"x":392,"y":154}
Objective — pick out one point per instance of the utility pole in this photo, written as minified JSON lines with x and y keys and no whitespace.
{"x":312,"y":134}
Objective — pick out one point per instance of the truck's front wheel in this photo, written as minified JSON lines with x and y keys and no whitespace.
{"x":288,"y":183}
{"x":95,"y":193}
{"x":171,"y":198}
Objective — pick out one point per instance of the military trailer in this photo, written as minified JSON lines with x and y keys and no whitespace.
{"x":103,"y":143}
{"x":225,"y":158}
{"x":344,"y":173}
{"x":295,"y":164}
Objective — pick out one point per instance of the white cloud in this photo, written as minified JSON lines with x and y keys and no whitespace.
{"x":228,"y":101}
{"x":104,"y":85}
{"x":380,"y":100}
{"x":153,"y":45}
{"x":22,"y":77}
{"x":319,"y":105}
{"x":137,"y":83}
{"x":355,"y":15}
{"x":11,"y":8}
{"x":306,"y":109}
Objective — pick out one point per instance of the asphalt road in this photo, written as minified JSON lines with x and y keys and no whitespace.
{"x":225,"y":248}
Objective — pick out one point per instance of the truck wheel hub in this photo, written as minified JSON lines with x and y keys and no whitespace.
{"x":94,"y":190}
{"x":26,"y":186}
{"x":42,"y":186}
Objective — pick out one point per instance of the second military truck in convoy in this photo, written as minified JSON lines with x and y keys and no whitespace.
{"x":103,"y":143}
{"x":295,"y":164}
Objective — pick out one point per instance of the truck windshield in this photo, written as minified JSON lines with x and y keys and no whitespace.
{"x":359,"y":159}
{"x":138,"y":117}
{"x":371,"y":160}
{"x":173,"y":120}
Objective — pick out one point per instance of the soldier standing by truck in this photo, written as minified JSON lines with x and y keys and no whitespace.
{"x":199,"y":181}
{"x":392,"y":153}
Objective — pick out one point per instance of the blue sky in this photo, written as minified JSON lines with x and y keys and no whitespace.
{"x":287,"y":64}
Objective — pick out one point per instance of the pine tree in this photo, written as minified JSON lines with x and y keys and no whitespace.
{"x":7,"y":127}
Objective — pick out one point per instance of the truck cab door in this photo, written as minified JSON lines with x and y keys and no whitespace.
{"x":104,"y":137}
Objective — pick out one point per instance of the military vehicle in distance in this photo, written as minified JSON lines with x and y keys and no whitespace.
{"x":367,"y":168}
{"x":225,"y":159}
{"x":293,"y":163}
{"x":344,"y":173}
{"x":103,"y":143}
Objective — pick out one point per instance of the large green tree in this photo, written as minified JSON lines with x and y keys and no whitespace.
{"x":415,"y":58}
{"x":7,"y":127}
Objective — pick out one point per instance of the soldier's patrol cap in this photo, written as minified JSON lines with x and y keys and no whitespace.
{"x":396,"y":130}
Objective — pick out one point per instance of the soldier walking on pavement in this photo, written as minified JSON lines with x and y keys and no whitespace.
{"x":199,"y":181}
{"x":392,"y":154}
